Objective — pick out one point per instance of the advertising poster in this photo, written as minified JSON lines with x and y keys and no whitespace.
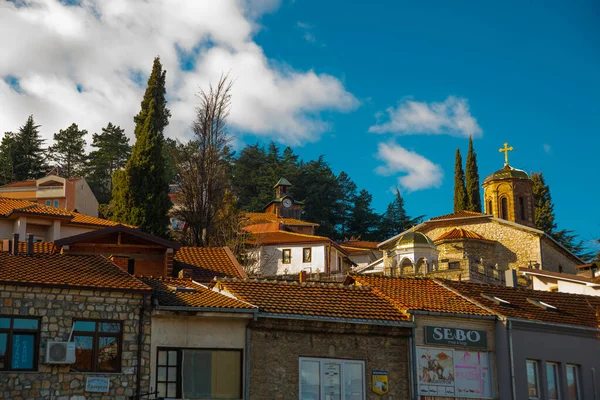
{"x":472,"y":377}
{"x":331,"y":381}
{"x":436,"y":371}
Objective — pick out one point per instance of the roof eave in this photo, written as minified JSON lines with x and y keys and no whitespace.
{"x":356,"y":321}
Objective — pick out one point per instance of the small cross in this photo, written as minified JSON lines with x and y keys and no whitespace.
{"x":505,"y":150}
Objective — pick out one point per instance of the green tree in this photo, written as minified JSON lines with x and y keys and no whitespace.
{"x":543,"y":207}
{"x":253,"y":193}
{"x":113,"y":151}
{"x":460,"y":190}
{"x":363,"y":220}
{"x":29,"y":156}
{"x":347,"y":204}
{"x":7,"y":158}
{"x":144,"y":200}
{"x":472,"y":180}
{"x":396,"y":220}
{"x":69,"y":150}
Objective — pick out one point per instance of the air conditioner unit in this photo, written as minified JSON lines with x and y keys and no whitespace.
{"x":60,"y":353}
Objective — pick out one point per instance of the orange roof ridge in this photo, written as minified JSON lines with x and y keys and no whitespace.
{"x":459,"y":214}
{"x":460,"y":233}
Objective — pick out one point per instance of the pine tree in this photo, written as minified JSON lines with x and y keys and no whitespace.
{"x":29,"y":156}
{"x":144,"y":201}
{"x":7,"y":158}
{"x":69,"y":150}
{"x":472,"y":180}
{"x":347,"y":202}
{"x":363,"y":219}
{"x":113,"y":152}
{"x":543,"y":207}
{"x":460,"y":190}
{"x":396,"y":220}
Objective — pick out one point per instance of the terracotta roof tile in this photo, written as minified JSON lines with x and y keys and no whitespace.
{"x":460,"y":233}
{"x":38,"y":248}
{"x":359,"y":244}
{"x":30,"y":183}
{"x":313,"y":299}
{"x":418,"y":294}
{"x":66,"y":270}
{"x":206,"y":263}
{"x":82,"y":219}
{"x":571,"y":309}
{"x":279,"y":237}
{"x":195,"y":295}
{"x":460,"y":214}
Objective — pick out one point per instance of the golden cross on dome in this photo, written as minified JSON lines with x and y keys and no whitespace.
{"x":505,"y":150}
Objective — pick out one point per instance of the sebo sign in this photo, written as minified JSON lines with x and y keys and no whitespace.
{"x":455,"y":336}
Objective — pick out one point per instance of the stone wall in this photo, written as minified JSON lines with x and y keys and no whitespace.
{"x":57,"y":308}
{"x":556,"y":259}
{"x":514,"y":247}
{"x":276,"y":346}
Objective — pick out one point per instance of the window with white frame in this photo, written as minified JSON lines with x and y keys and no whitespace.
{"x":552,"y":381}
{"x":322,"y":378}
{"x":533,"y":380}
{"x":573,"y":388}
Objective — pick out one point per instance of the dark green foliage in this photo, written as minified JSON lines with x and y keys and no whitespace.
{"x":7,"y":158}
{"x":113,"y":151}
{"x":544,"y":219}
{"x":543,"y":207}
{"x":347,"y":204}
{"x":460,"y":190}
{"x":363,"y":220}
{"x":472,"y":180}
{"x":145,"y":199}
{"x":395,"y":220}
{"x":29,"y":156}
{"x":69,"y":151}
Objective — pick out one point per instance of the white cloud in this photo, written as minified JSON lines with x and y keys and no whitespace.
{"x":450,"y":117}
{"x":547,"y":148}
{"x":84,"y":64}
{"x":418,"y":172}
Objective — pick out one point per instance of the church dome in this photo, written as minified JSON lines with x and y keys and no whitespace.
{"x":507,"y":172}
{"x":412,"y":238}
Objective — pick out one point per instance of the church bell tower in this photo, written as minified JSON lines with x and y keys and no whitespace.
{"x":508,"y":193}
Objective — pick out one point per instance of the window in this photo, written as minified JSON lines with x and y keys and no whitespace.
{"x":49,"y":202}
{"x":533,"y":387}
{"x":522,"y":209}
{"x":504,"y":208}
{"x":97,"y":346}
{"x":307,"y":255}
{"x":330,"y":378}
{"x":19,"y":343}
{"x":489,"y":208}
{"x":199,"y":373}
{"x":55,"y":203}
{"x":131,"y":266}
{"x":552,"y":381}
{"x":573,"y":388}
{"x":287,"y":256}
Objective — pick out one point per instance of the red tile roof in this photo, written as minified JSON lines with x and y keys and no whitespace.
{"x":38,"y":248}
{"x":279,"y":237}
{"x":359,"y":244}
{"x":166,"y":292}
{"x":460,"y":214}
{"x":82,"y":219}
{"x":418,"y":294}
{"x":62,"y":270}
{"x":206,"y":263}
{"x":30,"y":183}
{"x":571,"y":309}
{"x":330,"y":301}
{"x":261,"y":218}
{"x":460,"y":233}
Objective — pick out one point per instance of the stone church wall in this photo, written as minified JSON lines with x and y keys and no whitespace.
{"x":57,"y":308}
{"x":554,"y":259}
{"x":276,"y":346}
{"x":514,"y":247}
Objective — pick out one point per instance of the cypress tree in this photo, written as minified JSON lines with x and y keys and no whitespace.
{"x":141,"y":193}
{"x":460,"y":190}
{"x":472,"y":180}
{"x":543,"y":207}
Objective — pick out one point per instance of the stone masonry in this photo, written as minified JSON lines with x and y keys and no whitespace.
{"x":277,"y":344}
{"x":57,"y":308}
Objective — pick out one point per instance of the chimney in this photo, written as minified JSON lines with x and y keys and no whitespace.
{"x":15,"y":244}
{"x":302,"y":276}
{"x":6,"y":245}
{"x":511,"y":277}
{"x":30,"y":244}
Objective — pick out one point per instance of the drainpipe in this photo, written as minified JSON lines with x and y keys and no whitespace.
{"x":138,"y":383}
{"x":512,"y":360}
{"x":247,"y":361}
{"x":412,"y":376}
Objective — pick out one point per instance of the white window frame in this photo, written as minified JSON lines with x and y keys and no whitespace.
{"x":322,"y":362}
{"x":536,"y":363}
{"x":577,"y":380}
{"x":556,"y":367}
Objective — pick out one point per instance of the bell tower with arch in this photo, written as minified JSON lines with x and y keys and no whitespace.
{"x":508,"y":193}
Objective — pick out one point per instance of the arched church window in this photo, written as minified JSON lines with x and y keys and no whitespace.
{"x":504,"y":208}
{"x":406,"y":266}
{"x":489,"y":207}
{"x":522,"y":208}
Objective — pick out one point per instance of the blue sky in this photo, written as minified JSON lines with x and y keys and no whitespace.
{"x":529,"y":73}
{"x":386,"y":90}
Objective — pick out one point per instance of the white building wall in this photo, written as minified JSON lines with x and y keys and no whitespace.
{"x":85,"y":200}
{"x":272,"y":259}
{"x":564,"y":286}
